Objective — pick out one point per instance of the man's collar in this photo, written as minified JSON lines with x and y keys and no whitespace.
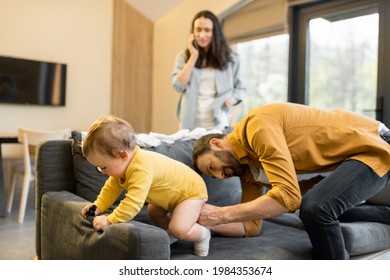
{"x":237,"y":146}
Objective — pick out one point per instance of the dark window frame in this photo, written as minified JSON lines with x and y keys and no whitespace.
{"x":298,"y":26}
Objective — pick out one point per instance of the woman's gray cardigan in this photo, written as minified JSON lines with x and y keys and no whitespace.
{"x":228,"y":83}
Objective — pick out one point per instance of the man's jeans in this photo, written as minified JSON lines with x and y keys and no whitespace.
{"x":334,"y":199}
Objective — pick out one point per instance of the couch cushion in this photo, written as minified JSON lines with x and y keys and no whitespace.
{"x":276,"y":242}
{"x":359,"y":237}
{"x":288,"y":219}
{"x":365,"y":237}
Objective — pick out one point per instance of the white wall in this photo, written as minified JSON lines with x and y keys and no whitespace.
{"x":79,"y":33}
{"x":170,"y":36}
{"x":75,"y":32}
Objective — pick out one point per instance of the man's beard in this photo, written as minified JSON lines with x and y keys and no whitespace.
{"x":231,"y":166}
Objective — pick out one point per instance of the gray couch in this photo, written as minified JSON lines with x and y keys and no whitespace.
{"x":65,"y":182}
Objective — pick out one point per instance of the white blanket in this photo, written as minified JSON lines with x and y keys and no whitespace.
{"x":154,"y":139}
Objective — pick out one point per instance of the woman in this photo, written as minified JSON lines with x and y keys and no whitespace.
{"x":207,"y":76}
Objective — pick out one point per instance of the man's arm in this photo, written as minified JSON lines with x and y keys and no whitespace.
{"x":261,"y":208}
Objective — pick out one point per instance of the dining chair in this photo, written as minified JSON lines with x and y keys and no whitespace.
{"x":29,"y":139}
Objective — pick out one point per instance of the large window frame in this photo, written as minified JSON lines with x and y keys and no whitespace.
{"x":298,"y":29}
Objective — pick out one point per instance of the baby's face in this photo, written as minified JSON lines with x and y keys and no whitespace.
{"x":115,"y":167}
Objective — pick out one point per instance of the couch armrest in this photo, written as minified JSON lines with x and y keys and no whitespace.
{"x":66,"y":235}
{"x":54,"y":167}
{"x":54,"y":171}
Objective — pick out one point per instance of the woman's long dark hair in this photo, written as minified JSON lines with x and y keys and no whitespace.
{"x":219,"y":53}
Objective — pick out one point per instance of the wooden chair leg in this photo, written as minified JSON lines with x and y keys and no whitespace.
{"x":11,"y":192}
{"x":23,"y":199}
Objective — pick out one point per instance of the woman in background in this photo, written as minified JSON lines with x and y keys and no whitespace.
{"x":207,"y":74}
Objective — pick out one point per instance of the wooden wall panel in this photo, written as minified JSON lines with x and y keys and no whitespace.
{"x":132,"y":63}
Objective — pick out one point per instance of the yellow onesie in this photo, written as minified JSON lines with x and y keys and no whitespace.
{"x":153,"y":178}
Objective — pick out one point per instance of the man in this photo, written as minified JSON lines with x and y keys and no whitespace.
{"x":340,"y":156}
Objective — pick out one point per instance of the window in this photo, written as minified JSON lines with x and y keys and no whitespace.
{"x":338,"y":56}
{"x":264,"y":70}
{"x":343,"y":63}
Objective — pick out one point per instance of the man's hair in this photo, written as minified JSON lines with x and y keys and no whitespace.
{"x":203,"y":146}
{"x":109,"y":135}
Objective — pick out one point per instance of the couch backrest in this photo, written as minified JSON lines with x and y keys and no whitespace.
{"x":381,"y":198}
{"x":90,"y":180}
{"x":221,"y":192}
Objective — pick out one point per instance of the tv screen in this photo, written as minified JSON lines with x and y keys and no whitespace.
{"x":24,"y":81}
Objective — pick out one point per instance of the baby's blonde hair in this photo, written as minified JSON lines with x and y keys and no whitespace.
{"x":109,"y":135}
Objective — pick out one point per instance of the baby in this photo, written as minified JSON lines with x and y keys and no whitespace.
{"x":174,"y":192}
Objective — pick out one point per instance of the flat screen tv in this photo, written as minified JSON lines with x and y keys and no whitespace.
{"x":24,"y":81}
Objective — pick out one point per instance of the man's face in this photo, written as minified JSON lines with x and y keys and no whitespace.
{"x":219,"y":164}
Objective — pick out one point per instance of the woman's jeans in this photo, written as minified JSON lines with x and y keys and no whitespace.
{"x":334,"y":199}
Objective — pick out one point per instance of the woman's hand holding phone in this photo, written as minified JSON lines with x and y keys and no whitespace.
{"x":193,"y":45}
{"x":185,"y":74}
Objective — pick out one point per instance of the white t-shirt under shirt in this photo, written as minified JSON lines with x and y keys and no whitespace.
{"x":206,"y":97}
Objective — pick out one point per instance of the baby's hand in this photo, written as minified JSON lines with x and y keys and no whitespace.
{"x":87,"y":208}
{"x":100,"y":222}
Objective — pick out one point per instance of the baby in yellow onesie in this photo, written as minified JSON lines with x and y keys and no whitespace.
{"x":174,"y":192}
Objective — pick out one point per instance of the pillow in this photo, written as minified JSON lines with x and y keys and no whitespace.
{"x":180,"y":150}
{"x":89,"y":179}
{"x":381,"y":198}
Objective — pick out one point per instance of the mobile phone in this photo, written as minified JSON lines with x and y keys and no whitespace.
{"x":195,"y":44}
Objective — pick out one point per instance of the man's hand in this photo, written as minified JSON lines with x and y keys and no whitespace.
{"x":209,"y":216}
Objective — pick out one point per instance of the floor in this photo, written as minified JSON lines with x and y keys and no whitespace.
{"x":17,"y":241}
